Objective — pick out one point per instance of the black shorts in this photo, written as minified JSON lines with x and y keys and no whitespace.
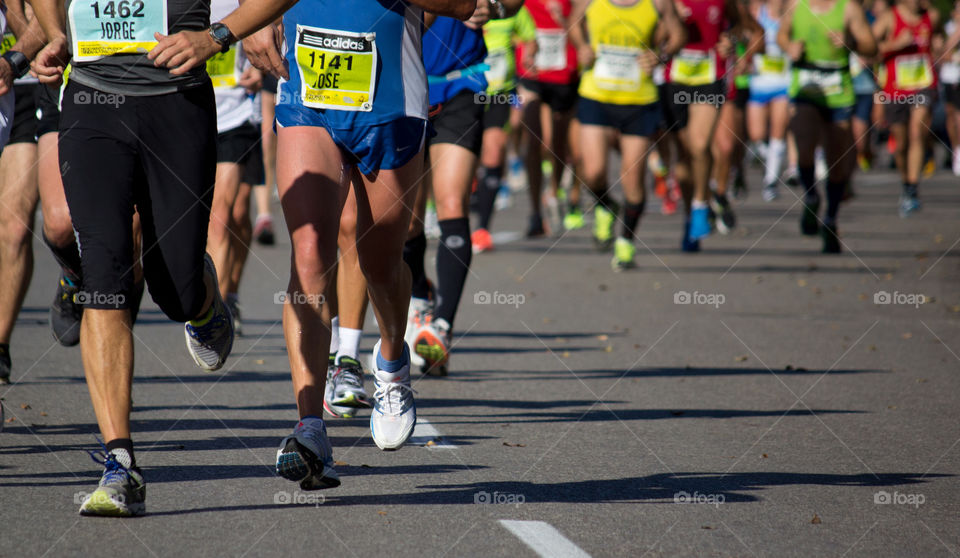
{"x":237,"y":145}
{"x":458,"y":121}
{"x":559,"y":97}
{"x":896,"y":108}
{"x":24,"y":129}
{"x":678,"y":99}
{"x":951,"y":94}
{"x":48,"y":110}
{"x":631,"y":120}
{"x":740,"y":98}
{"x":253,"y":173}
{"x":156,"y":153}
{"x":497,"y":111}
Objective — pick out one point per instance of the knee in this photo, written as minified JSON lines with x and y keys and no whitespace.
{"x":311,"y":264}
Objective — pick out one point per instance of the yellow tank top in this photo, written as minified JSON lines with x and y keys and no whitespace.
{"x":618,"y":34}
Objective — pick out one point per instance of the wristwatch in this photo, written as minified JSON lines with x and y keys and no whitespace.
{"x":499,"y":9}
{"x":222,"y":36}
{"x":19,"y":63}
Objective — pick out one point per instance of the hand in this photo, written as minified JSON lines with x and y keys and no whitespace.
{"x":251,"y":79}
{"x":263,"y":50}
{"x":183,"y":51}
{"x":585,"y":56}
{"x":529,"y":54}
{"x":725,"y":46}
{"x":481,"y":15}
{"x":648,"y":61}
{"x":742,"y":67}
{"x":795,"y":50}
{"x":50,"y":62}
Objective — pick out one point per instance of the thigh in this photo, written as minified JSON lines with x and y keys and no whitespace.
{"x":18,"y":185}
{"x":593,"y":148}
{"x":757,"y":118}
{"x":700,"y":128}
{"x":779,"y":117}
{"x":634,"y":150}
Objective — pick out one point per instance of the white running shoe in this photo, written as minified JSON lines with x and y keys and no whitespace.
{"x":394,"y":410}
{"x":956,"y":162}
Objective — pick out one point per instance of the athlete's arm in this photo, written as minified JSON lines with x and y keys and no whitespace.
{"x":49,"y":63}
{"x":29,"y":41}
{"x":794,"y":49}
{"x":746,"y":26}
{"x":856,"y":22}
{"x":578,"y":33}
{"x":671,"y":33}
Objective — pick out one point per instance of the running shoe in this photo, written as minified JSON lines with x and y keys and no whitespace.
{"x":234,"y":306}
{"x":660,"y":184}
{"x":394,"y":412}
{"x":863,"y":162}
{"x":331,"y":409}
{"x":433,"y":345}
{"x":770,"y":192}
{"x":956,"y":162}
{"x":347,"y":389}
{"x":121,"y":492}
{"x":792,"y":177}
{"x":263,"y":230}
{"x":552,"y":204}
{"x":739,"y":185}
{"x":809,"y":223}
{"x":929,"y":167}
{"x":603,"y":220}
{"x":210,"y":343}
{"x":668,"y":206}
{"x":306,"y":456}
{"x":65,"y":313}
{"x":482,"y":241}
{"x":535,"y":228}
{"x":699,"y":223}
{"x":419,"y":313}
{"x":724,"y":210}
{"x":574,"y":220}
{"x":623,"y":252}
{"x":909,"y":204}
{"x":688,"y":244}
{"x":831,"y":239}
{"x":5,"y":365}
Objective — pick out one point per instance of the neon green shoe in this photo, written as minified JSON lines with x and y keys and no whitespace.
{"x":603,"y":228}
{"x":623,"y":252}
{"x":546,"y":167}
{"x":573,"y":220}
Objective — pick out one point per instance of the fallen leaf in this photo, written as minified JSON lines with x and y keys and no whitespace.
{"x":891,"y":406}
{"x":921,"y":380}
{"x":636,"y":345}
{"x":561,"y":340}
{"x":907,"y":335}
{"x":707,"y":527}
{"x":938,"y":238}
{"x":921,"y":256}
{"x":888,"y":277}
{"x":741,"y":358}
{"x":430,"y":443}
{"x":547,"y":320}
{"x":955,"y":308}
{"x":43,"y":414}
{"x":381,"y":512}
{"x":341,"y":464}
{"x":509,"y":445}
{"x":608,"y":348}
{"x":862,"y":296}
{"x":603,"y":337}
{"x":764,"y":455}
{"x":872,"y":348}
{"x":757,"y":279}
{"x":801,"y":282}
{"x":602,"y":288}
{"x":815,"y":520}
{"x":656,"y":285}
{"x":11,"y":419}
{"x":25,"y":406}
{"x":258,"y":361}
{"x":565,"y":354}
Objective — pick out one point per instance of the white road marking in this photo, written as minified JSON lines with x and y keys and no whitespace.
{"x":505,"y":237}
{"x":425,"y":432}
{"x":544,"y":539}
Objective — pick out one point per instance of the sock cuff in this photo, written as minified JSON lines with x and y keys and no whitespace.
{"x":450,"y":227}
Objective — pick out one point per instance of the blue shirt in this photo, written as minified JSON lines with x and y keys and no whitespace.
{"x":450,"y":46}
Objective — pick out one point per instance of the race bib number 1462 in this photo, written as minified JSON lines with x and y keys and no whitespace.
{"x":107,"y":27}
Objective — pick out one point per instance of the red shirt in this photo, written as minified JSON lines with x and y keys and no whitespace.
{"x":556,"y":60}
{"x":705,"y":20}
{"x":910,"y":69}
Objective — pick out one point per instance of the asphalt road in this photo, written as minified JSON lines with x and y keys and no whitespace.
{"x":783,"y":411}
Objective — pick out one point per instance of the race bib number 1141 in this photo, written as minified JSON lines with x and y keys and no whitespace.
{"x":106,"y":27}
{"x":338,"y":69}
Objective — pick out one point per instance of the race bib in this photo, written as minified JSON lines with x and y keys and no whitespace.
{"x":104,"y":28}
{"x":499,"y":70}
{"x":617,"y":68}
{"x":338,"y":69}
{"x":222,"y":69}
{"x":950,"y":70}
{"x":693,"y":67}
{"x":816,"y":83}
{"x":914,"y":72}
{"x":771,"y":65}
{"x":551,"y":50}
{"x":7,"y":43}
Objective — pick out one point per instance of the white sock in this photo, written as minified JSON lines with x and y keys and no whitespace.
{"x":335,"y":334}
{"x":349,"y":342}
{"x":698,"y":204}
{"x":775,"y":153}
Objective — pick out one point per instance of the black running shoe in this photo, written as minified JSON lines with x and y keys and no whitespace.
{"x":65,"y":314}
{"x":5,"y":365}
{"x":536,"y":230}
{"x":809,"y":224}
{"x":831,"y":239}
{"x":725,"y":220}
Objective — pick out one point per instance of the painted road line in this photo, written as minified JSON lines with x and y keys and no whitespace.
{"x":425,"y":432}
{"x":544,"y":539}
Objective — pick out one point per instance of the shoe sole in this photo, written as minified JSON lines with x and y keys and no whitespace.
{"x":352,"y":400}
{"x":107,"y":507}
{"x":431,"y":349}
{"x":335,"y":413}
{"x":298,"y":464}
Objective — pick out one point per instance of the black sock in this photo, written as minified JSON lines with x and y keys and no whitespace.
{"x":453,"y":264}
{"x":123,"y":444}
{"x":604,"y":199}
{"x":414,"y":250}
{"x":487,"y":187}
{"x":69,"y":259}
{"x":5,"y":350}
{"x":910,"y":189}
{"x":808,"y":177}
{"x":835,"y":192}
{"x":631,"y":217}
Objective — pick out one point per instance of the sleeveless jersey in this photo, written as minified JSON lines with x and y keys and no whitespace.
{"x":699,"y":63}
{"x":556,"y":59}
{"x":823,"y":74}
{"x":910,"y":69}
{"x":618,"y":34}
{"x":499,"y":35}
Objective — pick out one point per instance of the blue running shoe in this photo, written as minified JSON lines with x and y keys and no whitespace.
{"x":699,"y":223}
{"x":306,"y":456}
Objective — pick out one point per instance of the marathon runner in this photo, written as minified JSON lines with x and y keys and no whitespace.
{"x":728,"y":148}
{"x":950,"y":78}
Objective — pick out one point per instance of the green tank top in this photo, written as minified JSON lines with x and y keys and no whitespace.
{"x":823,"y":74}
{"x":743,"y":80}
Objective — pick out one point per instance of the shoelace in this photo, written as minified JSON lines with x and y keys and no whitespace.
{"x":393,"y":393}
{"x":113,"y":469}
{"x":350,"y":374}
{"x":207,"y":330}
